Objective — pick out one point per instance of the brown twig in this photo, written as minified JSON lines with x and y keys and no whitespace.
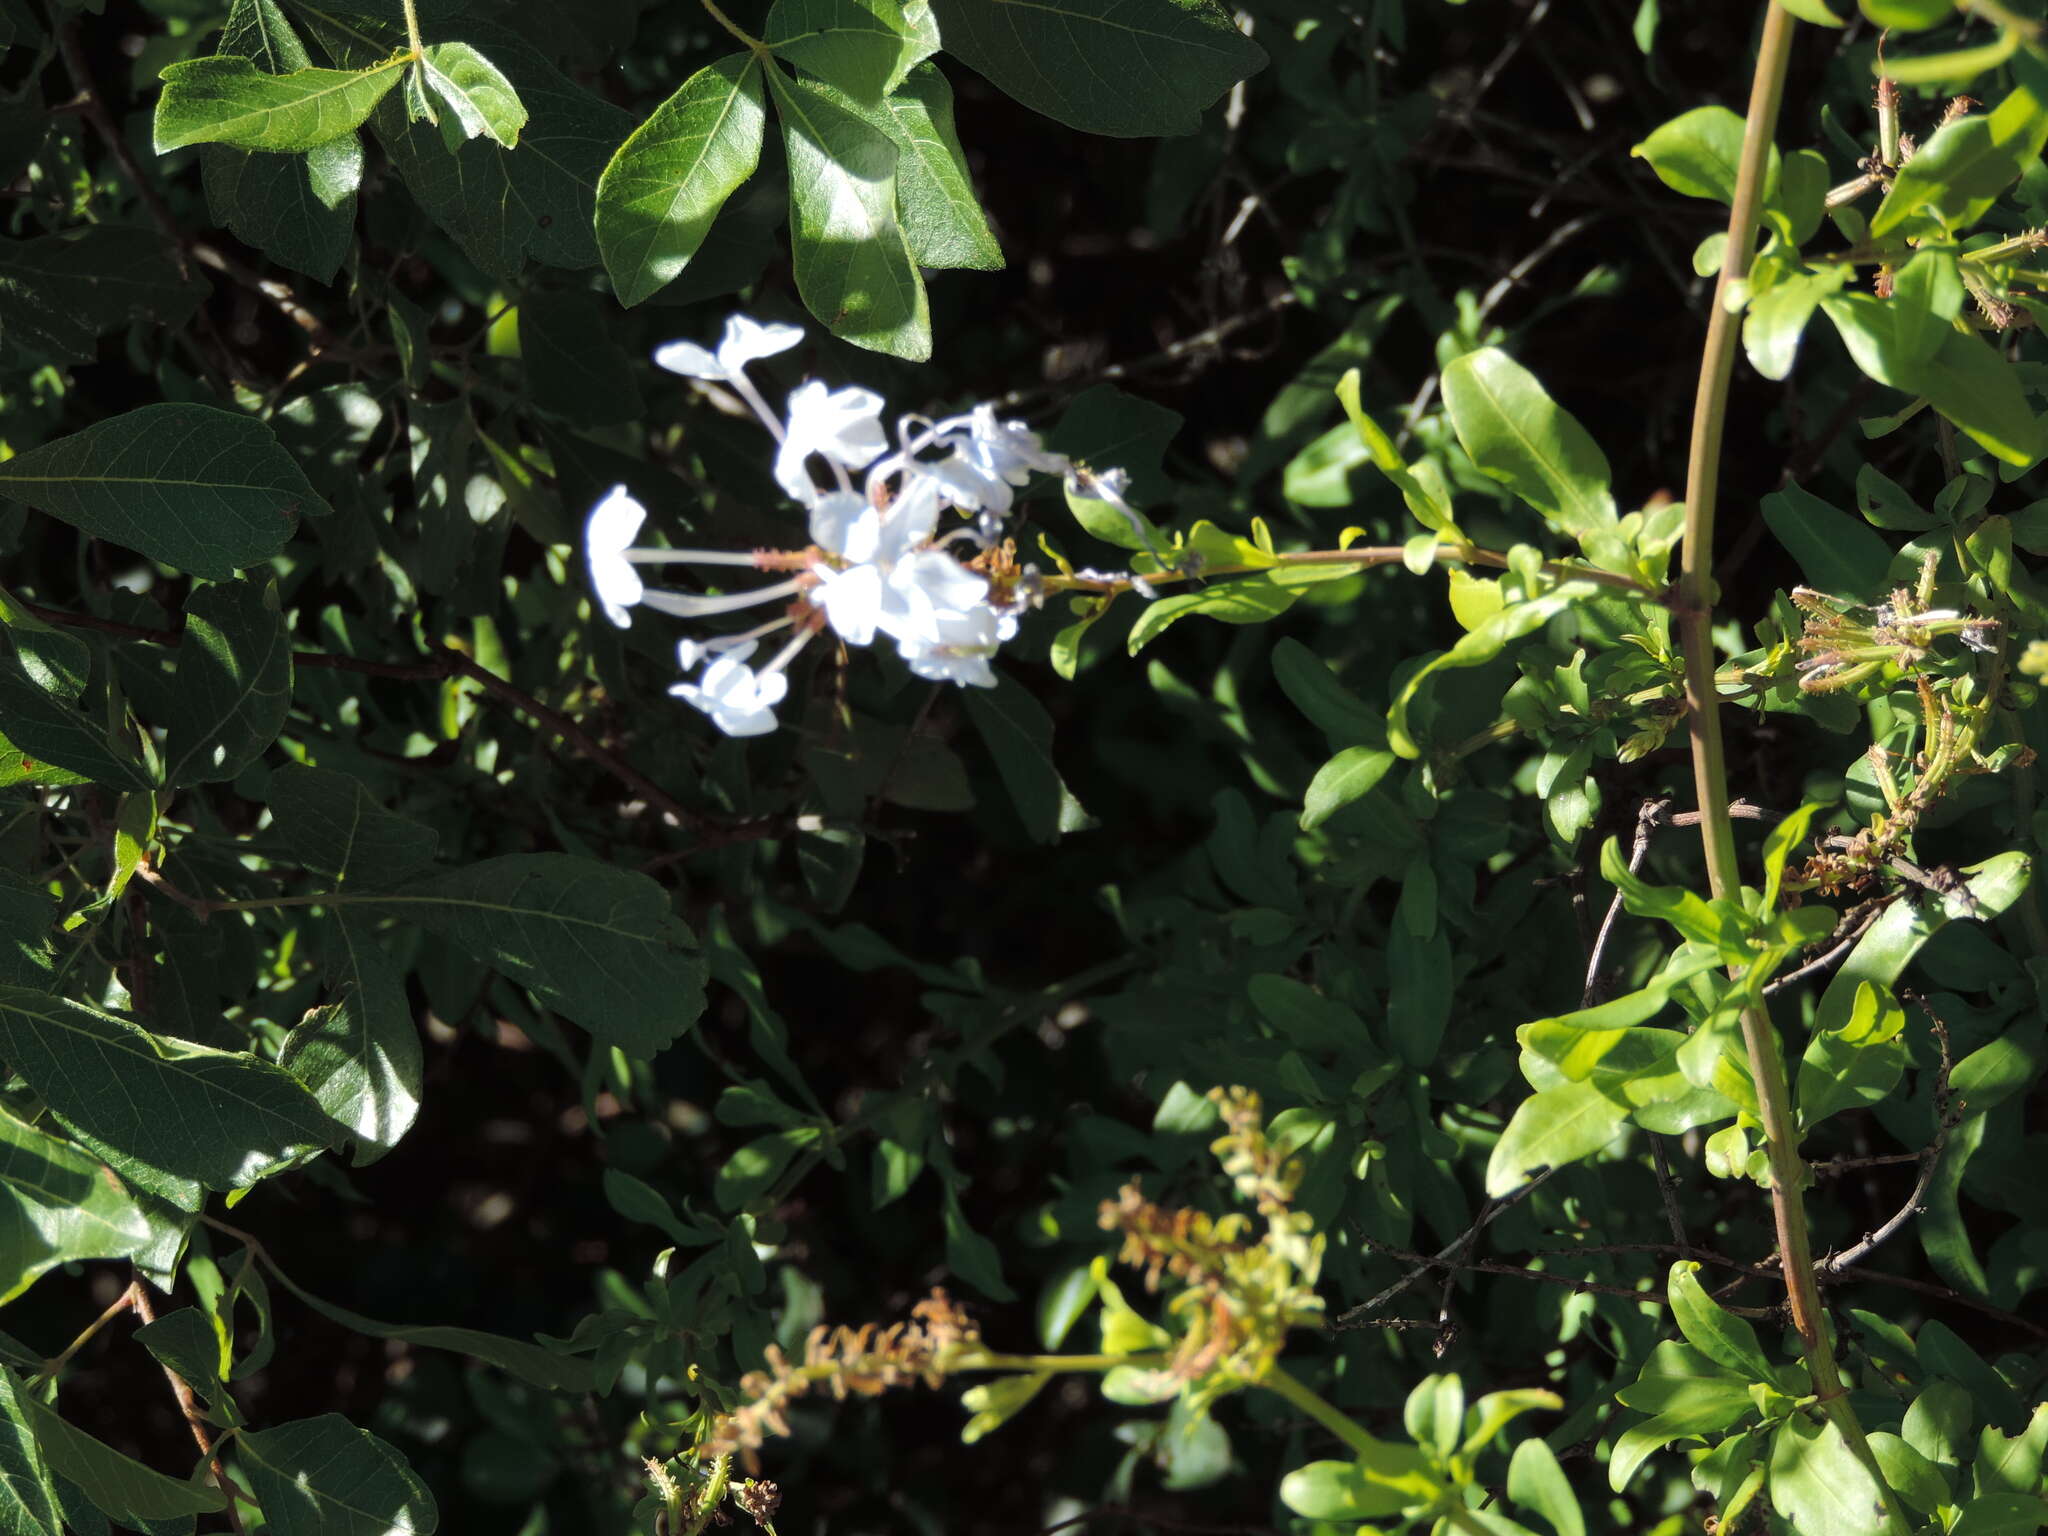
{"x":137,"y":1296}
{"x":1946,"y":1117}
{"x":1362,"y":1315}
{"x":102,"y":121}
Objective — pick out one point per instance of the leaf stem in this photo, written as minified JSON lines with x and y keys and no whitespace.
{"x":1710,"y":778}
{"x":1361,"y":555}
{"x":412,"y":29}
{"x":753,"y":44}
{"x":1337,"y":1422}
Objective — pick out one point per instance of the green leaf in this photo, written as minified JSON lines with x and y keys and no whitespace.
{"x":1696,"y":919}
{"x":1350,"y":774}
{"x":484,"y":102}
{"x":1722,"y":1337}
{"x":1108,"y":427}
{"x":942,"y":219}
{"x":506,"y":206}
{"x":1344,"y":719}
{"x":1817,"y":1482}
{"x":60,"y":293}
{"x":200,"y":489}
{"x":1127,"y":68}
{"x":186,"y":1343}
{"x":299,"y":210}
{"x":1777,"y":318}
{"x":2001,"y":1514}
{"x":28,"y":1496}
{"x":1549,"y":1129}
{"x":328,"y":822}
{"x":226,"y":99}
{"x":1477,"y":647}
{"x":1516,"y":434}
{"x":599,"y":945}
{"x":45,"y":730}
{"x":664,"y":186}
{"x":1960,"y":171}
{"x":359,"y":1056}
{"x":1814,"y":12}
{"x":1838,"y":554}
{"x":853,"y":262}
{"x":862,"y":47}
{"x":1382,"y":1481}
{"x":574,"y":368}
{"x":755,"y":1166}
{"x":1305,"y":1017}
{"x":120,"y":1487}
{"x":1696,"y":153}
{"x":1536,"y":1481}
{"x":223,"y":1118}
{"x":1858,"y":1064}
{"x":994,"y":1403}
{"x":970,"y":1255}
{"x":234,"y":683}
{"x":2012,"y":1463}
{"x":1908,"y":15}
{"x":325,"y":1477}
{"x":1918,"y":1481}
{"x":57,"y":1205}
{"x":1018,"y":732}
{"x":1237,"y":600}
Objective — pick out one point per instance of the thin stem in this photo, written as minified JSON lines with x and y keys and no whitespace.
{"x":1336,"y":1422}
{"x":121,"y":1303}
{"x":1361,"y":555}
{"x":1710,"y":778}
{"x":412,"y":29}
{"x":748,"y":40}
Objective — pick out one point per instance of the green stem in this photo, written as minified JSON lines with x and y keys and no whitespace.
{"x":1710,"y":777}
{"x":412,"y":29}
{"x":1362,"y":555}
{"x":1331,"y":1418}
{"x":1055,"y":1363}
{"x":751,"y":43}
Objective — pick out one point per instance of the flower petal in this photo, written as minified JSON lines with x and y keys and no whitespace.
{"x":748,"y":340}
{"x":690,"y":360}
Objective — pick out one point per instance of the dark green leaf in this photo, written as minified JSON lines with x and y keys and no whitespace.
{"x":1838,"y":554}
{"x":44,"y":731}
{"x":185,"y":1342}
{"x":223,"y":1118}
{"x":1131,"y":70}
{"x":60,"y":293}
{"x":325,"y":1477}
{"x":1351,"y":773}
{"x":942,"y":219}
{"x":57,"y":1205}
{"x":1237,"y":600}
{"x":574,"y":367}
{"x":28,"y":1494}
{"x":201,"y":489}
{"x":329,"y":823}
{"x":658,"y":196}
{"x":596,"y":943}
{"x":123,"y":1488}
{"x":2001,"y":1514}
{"x":970,"y":1255}
{"x":234,"y":683}
{"x":1019,"y":736}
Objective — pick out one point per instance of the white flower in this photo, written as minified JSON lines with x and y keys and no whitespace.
{"x":746,"y":340}
{"x":930,"y":586}
{"x":606,"y":537}
{"x":989,"y":459}
{"x":739,"y":701}
{"x":958,"y":646}
{"x":843,"y":425}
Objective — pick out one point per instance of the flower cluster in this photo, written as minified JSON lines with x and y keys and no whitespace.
{"x":877,"y":563}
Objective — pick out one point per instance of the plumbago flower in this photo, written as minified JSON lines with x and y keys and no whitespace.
{"x":877,"y":563}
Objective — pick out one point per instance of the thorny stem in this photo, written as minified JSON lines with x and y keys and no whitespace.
{"x":1710,"y":777}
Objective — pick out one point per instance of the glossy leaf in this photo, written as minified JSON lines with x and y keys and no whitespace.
{"x":1517,"y":434}
{"x":1550,"y":1129}
{"x":1239,"y":600}
{"x":597,"y":943}
{"x":45,"y":730}
{"x":665,"y":185}
{"x":201,"y":489}
{"x":325,"y":1477}
{"x":853,"y":262}
{"x":1696,"y":152}
{"x":1537,"y":1482}
{"x":1351,"y":773}
{"x":1127,"y":68}
{"x":1838,"y":554}
{"x":1858,"y":1064}
{"x":1722,"y":1337}
{"x":1965,"y":164}
{"x":144,"y":1094}
{"x":2001,"y":1514}
{"x":1380,"y":1482}
{"x":226,"y":99}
